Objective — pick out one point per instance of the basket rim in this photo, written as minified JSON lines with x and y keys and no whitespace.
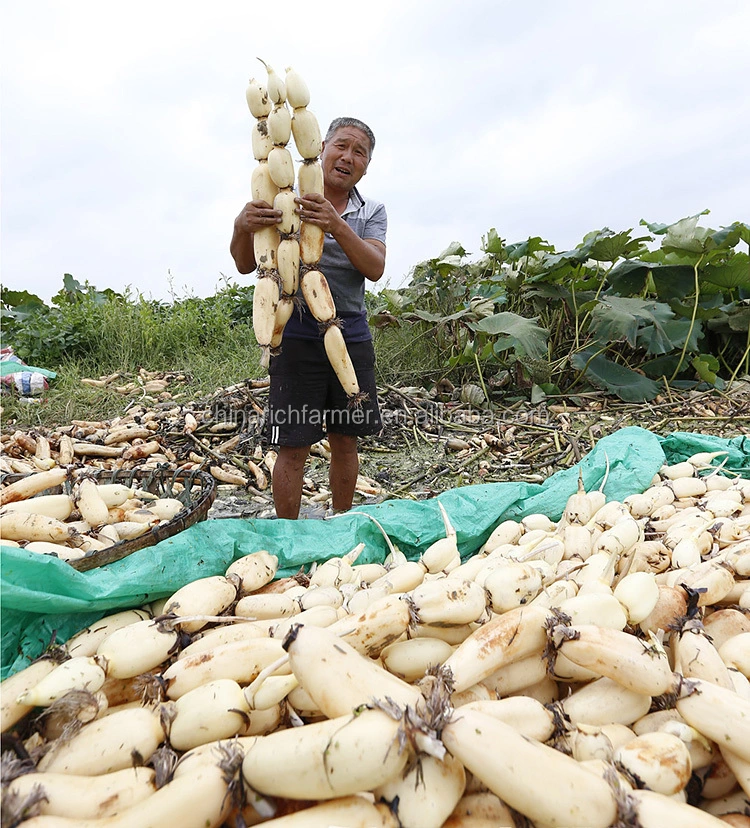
{"x":161,"y":476}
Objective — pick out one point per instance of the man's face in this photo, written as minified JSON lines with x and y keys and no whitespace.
{"x":345,"y":157}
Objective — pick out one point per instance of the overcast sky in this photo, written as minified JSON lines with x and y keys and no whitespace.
{"x":125,"y":136}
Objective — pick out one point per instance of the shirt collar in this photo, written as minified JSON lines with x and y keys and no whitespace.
{"x":355,"y":201}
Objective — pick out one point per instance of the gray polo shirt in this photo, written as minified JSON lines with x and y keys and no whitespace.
{"x":368,"y":219}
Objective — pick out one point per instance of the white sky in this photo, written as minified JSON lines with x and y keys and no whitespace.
{"x":125,"y":136}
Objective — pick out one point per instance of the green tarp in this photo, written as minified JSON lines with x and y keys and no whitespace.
{"x":43,"y":597}
{"x":8,"y":366}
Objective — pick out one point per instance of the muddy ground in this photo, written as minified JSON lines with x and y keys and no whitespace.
{"x":429,"y":444}
{"x":430,"y":441}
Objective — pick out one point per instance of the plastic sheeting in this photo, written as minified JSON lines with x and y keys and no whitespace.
{"x":45,"y":599}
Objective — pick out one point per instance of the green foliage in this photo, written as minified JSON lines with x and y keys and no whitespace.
{"x":624,"y":312}
{"x":513,"y":332}
{"x":616,"y":379}
{"x":405,"y":356}
{"x":106,"y":331}
{"x":89,"y":333}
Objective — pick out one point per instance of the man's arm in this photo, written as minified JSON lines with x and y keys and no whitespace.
{"x":255,"y":215}
{"x":367,"y":255}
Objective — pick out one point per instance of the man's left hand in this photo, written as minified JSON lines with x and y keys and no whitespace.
{"x":316,"y":209}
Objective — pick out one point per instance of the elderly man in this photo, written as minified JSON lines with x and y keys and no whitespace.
{"x":306,"y":400}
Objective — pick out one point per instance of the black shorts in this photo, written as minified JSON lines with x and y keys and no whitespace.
{"x":306,"y":400}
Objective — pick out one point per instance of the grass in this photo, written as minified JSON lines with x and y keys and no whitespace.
{"x":210,"y":341}
{"x":407,"y":355}
{"x":68,"y":399}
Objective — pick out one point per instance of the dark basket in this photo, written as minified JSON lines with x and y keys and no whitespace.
{"x":197,"y":496}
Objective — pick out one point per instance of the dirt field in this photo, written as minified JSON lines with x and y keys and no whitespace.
{"x":428,"y":445}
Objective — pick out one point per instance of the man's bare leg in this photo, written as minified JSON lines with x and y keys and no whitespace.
{"x":288,"y":472}
{"x":342,"y":475}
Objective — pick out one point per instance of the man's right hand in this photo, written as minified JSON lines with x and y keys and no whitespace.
{"x":256,"y":215}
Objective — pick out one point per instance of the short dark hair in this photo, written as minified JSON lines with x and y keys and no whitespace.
{"x":338,"y":123}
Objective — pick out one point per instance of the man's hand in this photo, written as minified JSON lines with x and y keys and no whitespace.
{"x":367,"y":255}
{"x":316,"y":209}
{"x":256,"y":215}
